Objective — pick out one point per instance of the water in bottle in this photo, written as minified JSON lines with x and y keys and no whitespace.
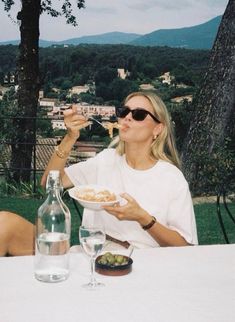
{"x":52,"y":242}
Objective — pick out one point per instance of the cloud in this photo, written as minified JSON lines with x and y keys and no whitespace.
{"x":137,"y":16}
{"x":162,"y":4}
{"x":174,"y":5}
{"x":214,"y":3}
{"x":102,"y":10}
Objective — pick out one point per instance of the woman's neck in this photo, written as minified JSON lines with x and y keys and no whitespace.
{"x":139,"y":159}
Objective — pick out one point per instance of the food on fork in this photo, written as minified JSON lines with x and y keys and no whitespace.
{"x":90,"y":194}
{"x":110,"y":126}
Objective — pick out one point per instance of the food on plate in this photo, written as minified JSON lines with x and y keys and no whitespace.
{"x":110,"y":126}
{"x":90,"y":194}
{"x":112,"y":260}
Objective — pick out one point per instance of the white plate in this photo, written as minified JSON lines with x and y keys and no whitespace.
{"x":94,"y":205}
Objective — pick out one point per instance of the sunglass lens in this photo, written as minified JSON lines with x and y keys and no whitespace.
{"x":122,"y":112}
{"x":139,"y":115}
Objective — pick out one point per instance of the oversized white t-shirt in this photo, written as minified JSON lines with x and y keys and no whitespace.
{"x":161,"y":190}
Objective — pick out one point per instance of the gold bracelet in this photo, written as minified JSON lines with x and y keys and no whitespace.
{"x":61,"y":153}
{"x":152,"y":222}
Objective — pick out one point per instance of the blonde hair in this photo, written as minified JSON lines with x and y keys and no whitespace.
{"x":163,"y":147}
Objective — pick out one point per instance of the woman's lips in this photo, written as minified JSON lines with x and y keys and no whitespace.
{"x":124,"y":127}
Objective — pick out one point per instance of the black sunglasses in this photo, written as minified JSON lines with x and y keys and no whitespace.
{"x":138,"y":114}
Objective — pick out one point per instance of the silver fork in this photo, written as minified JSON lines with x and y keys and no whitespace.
{"x":93,"y":119}
{"x":131,"y":251}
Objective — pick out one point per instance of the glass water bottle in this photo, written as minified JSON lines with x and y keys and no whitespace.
{"x":52,"y":240}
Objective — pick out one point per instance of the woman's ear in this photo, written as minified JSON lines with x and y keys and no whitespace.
{"x":158,"y":129}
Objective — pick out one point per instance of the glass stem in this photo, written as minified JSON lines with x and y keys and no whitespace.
{"x":93,"y":280}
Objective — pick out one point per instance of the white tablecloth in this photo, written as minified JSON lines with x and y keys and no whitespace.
{"x":185,"y":284}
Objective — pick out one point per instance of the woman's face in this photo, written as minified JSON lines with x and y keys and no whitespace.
{"x":139,"y":131}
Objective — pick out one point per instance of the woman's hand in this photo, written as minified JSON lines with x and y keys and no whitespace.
{"x":130,"y":211}
{"x":74,"y":122}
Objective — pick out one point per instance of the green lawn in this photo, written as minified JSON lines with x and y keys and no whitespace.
{"x":209,"y":231}
{"x":28,"y":209}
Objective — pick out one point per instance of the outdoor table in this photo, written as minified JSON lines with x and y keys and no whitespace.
{"x":171,"y":284}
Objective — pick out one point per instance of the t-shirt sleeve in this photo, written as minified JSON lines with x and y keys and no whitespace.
{"x":84,"y":172}
{"x":181,"y":217}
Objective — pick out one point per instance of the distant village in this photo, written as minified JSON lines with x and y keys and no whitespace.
{"x":54,"y":108}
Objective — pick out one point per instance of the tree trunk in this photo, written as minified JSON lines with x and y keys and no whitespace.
{"x":23,"y":138}
{"x":214,"y":113}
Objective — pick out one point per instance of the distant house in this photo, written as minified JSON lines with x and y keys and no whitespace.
{"x":105,"y":112}
{"x":180,"y":99}
{"x":146,"y":87}
{"x":48,"y":103}
{"x":99,"y":110}
{"x":78,"y":90}
{"x":45,"y":148}
{"x":122,"y":73}
{"x":58,"y":124}
{"x":41,"y":94}
{"x":9,"y":78}
{"x":182,"y":85}
{"x":166,"y":78}
{"x":85,"y":150}
{"x":55,"y":90}
{"x":3,"y":90}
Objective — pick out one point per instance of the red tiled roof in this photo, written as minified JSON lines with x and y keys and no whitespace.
{"x":44,"y":150}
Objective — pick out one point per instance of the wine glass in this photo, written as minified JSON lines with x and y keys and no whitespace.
{"x":92,"y":240}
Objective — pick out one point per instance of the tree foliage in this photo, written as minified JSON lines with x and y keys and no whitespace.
{"x":47,"y":7}
{"x":84,"y":63}
{"x":23,"y":137}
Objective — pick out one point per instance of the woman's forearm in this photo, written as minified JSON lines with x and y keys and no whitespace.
{"x":166,"y":236}
{"x":59,"y":158}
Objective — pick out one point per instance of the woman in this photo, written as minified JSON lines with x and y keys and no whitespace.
{"x":144,"y":169}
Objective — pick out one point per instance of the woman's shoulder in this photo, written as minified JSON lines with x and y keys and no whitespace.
{"x":170,"y":171}
{"x":107,"y":155}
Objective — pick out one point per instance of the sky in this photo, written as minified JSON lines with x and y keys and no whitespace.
{"x":130,"y":16}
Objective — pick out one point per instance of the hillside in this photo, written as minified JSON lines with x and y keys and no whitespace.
{"x":111,"y":38}
{"x":196,"y":37}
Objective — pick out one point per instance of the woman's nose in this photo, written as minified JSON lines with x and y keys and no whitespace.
{"x":128,"y":117}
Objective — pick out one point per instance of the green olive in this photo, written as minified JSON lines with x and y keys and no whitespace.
{"x":119,"y":259}
{"x":113,"y":259}
{"x":110,"y":259}
{"x":103,"y":261}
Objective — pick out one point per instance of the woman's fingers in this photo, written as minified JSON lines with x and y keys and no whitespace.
{"x":73,"y":121}
{"x":73,"y":115}
{"x":127,"y":197}
{"x":68,"y":112}
{"x":115,"y":207}
{"x":74,"y":109}
{"x":83,"y":125}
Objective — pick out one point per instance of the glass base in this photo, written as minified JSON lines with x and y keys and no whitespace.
{"x":51,"y":278}
{"x":93,"y":285}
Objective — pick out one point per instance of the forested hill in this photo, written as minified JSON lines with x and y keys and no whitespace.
{"x":78,"y":64}
{"x":196,"y":37}
{"x":200,"y":36}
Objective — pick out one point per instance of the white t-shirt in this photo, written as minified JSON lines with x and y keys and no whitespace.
{"x":161,"y":190}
